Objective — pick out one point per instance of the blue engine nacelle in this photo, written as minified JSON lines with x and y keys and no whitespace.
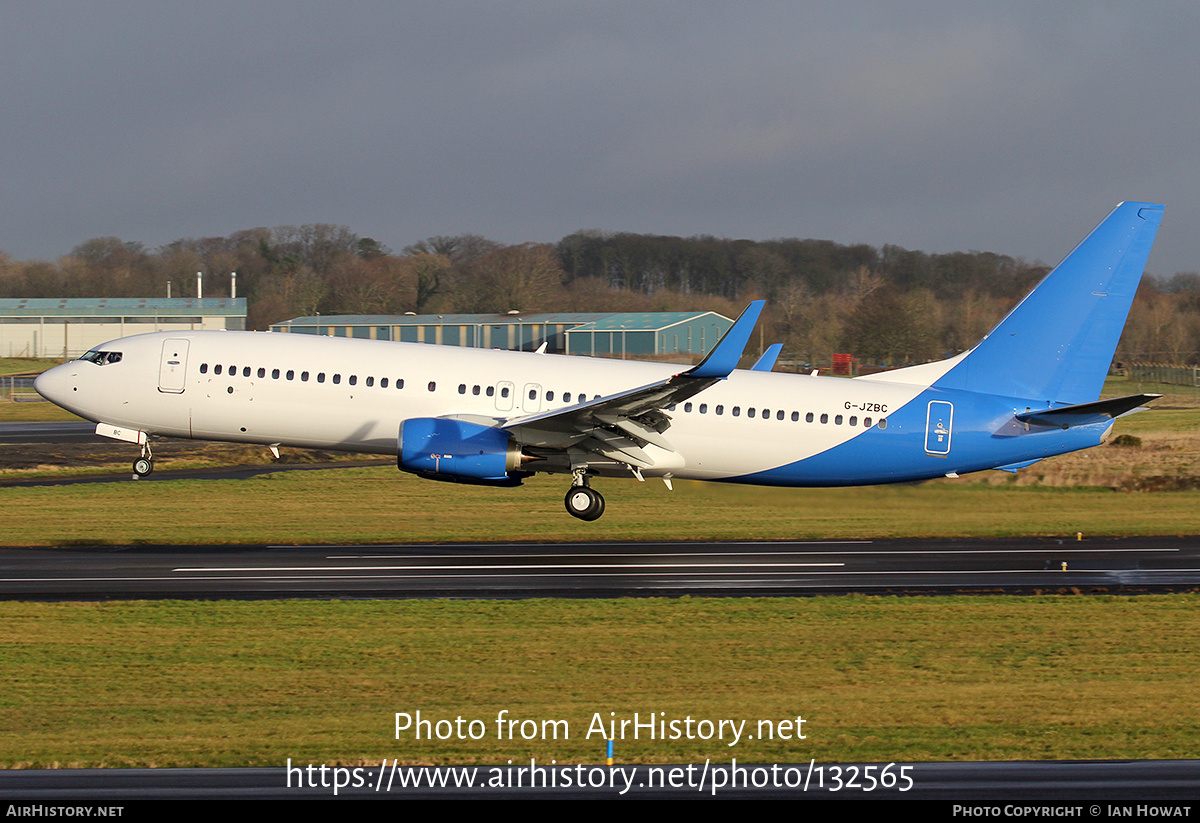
{"x":440,"y":448}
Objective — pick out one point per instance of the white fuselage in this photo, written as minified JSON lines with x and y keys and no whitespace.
{"x":348,"y":394}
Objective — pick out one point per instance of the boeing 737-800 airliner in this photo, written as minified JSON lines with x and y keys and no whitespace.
{"x":1030,"y":389}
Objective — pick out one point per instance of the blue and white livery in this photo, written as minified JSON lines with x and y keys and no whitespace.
{"x":1030,"y":389}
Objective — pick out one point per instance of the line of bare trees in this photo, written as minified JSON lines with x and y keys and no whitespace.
{"x":885,"y":305}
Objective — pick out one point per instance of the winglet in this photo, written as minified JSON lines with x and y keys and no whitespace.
{"x":724,"y":357}
{"x":767,"y":361}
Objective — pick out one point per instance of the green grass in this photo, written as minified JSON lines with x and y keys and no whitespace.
{"x":32,"y":412}
{"x":1165,"y":421}
{"x":25,"y":365}
{"x":384,"y":505}
{"x":876,"y":679}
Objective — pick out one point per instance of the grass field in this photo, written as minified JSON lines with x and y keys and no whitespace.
{"x":373,"y":505}
{"x":876,"y":679}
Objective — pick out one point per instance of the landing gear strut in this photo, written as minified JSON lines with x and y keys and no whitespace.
{"x":582,"y":500}
{"x":144,"y":465}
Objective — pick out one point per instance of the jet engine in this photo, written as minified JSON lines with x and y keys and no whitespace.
{"x":442,"y":448}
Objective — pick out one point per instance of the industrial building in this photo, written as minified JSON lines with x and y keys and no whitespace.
{"x":67,"y":327}
{"x":623,"y":334}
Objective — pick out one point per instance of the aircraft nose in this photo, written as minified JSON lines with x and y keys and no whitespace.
{"x":53,"y":383}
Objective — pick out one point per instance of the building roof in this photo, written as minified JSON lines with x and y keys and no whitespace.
{"x":149,"y":306}
{"x":599,"y":321}
{"x":646,"y":321}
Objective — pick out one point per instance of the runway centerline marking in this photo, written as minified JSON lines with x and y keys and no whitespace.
{"x":472,"y":567}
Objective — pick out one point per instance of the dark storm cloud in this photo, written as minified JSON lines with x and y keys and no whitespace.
{"x":940,"y":126}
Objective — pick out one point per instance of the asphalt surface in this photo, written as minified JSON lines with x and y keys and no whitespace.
{"x":1088,"y":789}
{"x":43,"y":433}
{"x":500,"y":570}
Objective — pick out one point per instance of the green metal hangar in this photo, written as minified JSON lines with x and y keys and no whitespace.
{"x":624,"y":334}
{"x":68,"y":327}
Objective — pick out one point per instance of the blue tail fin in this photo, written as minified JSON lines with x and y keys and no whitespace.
{"x":1058,"y":343}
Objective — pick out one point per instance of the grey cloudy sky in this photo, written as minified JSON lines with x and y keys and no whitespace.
{"x":942,"y":126}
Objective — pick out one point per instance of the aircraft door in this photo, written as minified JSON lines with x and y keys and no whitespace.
{"x":939,"y":422}
{"x":531,"y":400}
{"x":172,"y":366}
{"x":504,"y":395}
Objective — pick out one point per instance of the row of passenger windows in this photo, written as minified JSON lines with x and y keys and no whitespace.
{"x":505,"y":391}
{"x":383,"y":382}
{"x":490,"y":391}
{"x":780,"y":414}
{"x":304,"y":376}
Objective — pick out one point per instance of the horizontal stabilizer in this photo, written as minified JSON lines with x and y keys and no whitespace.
{"x":767,"y":361}
{"x":1083,"y":414}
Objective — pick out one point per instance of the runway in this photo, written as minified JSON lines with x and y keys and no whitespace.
{"x":478,"y":570}
{"x":1073,"y":789}
{"x":28,"y":434}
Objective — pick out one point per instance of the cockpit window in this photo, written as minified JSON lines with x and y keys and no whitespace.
{"x":100,"y":358}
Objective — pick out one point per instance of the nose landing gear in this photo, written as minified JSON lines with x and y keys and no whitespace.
{"x":144,"y":465}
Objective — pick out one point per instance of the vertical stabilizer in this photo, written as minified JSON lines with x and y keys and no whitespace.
{"x":1058,"y":343}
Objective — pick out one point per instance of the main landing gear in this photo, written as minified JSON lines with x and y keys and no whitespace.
{"x":582,"y":500}
{"x":144,"y":465}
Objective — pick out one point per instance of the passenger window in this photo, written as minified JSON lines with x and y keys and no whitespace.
{"x":566,"y":397}
{"x":433,"y":385}
{"x":808,"y":418}
{"x":383,"y":381}
{"x":475,"y":390}
{"x":737,"y":410}
{"x":462,"y":388}
{"x":353,"y":381}
{"x":720,"y":409}
{"x":370,"y":382}
{"x":853,"y":421}
{"x":320,"y":377}
{"x":549,"y":396}
{"x":687,"y":407}
{"x":491,"y":391}
{"x":750,"y":412}
{"x":399,"y":383}
{"x":533,"y":394}
{"x":290,"y":374}
{"x":337,"y":378}
{"x":504,"y":392}
{"x":882,"y":423}
{"x":204,"y":368}
{"x":303,"y":377}
{"x":795,"y":417}
{"x":867,"y":422}
{"x":233,"y":371}
{"x":217,"y":369}
{"x":824,"y":418}
{"x":246,"y":371}
{"x":704,"y":408}
{"x":837,"y":421}
{"x":779,"y":414}
{"x":274,"y":374}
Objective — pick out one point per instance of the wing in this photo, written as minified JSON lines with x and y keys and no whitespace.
{"x":618,"y":426}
